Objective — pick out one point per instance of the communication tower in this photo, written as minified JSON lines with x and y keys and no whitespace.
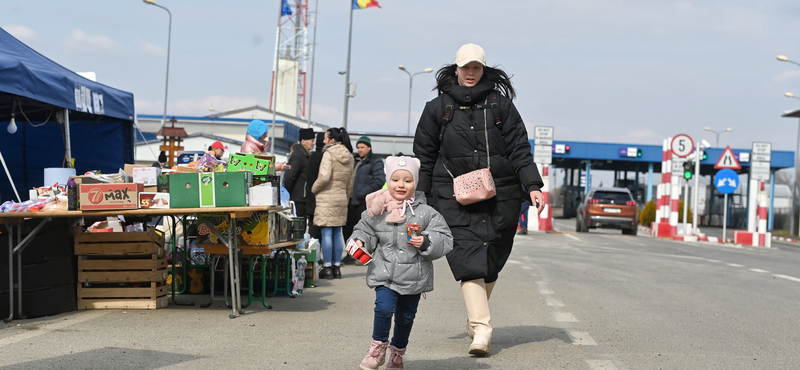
{"x":291,"y":56}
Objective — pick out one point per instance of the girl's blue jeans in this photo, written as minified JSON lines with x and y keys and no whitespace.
{"x":389,"y":303}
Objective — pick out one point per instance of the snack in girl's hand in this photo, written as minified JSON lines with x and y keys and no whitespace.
{"x":412,"y":231}
{"x":358,"y":253}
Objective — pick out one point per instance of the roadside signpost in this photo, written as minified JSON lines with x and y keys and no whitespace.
{"x":760,"y":157}
{"x":727,"y":160}
{"x":726,"y":181}
{"x":682,"y":145}
{"x":543,"y":144}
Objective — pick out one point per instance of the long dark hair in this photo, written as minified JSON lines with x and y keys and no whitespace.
{"x":341,"y":136}
{"x":502,"y":81}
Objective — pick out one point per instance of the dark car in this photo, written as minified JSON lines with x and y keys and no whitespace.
{"x":608,"y":208}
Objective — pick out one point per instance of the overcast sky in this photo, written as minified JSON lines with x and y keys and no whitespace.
{"x":596,"y":70}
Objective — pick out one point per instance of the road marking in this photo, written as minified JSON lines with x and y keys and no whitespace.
{"x":573,"y":237}
{"x":715,"y":261}
{"x":545,"y":290}
{"x":734,"y":265}
{"x":513,"y":262}
{"x":527,"y":268}
{"x":788,"y":278}
{"x":758,"y":270}
{"x":581,"y":338}
{"x":50,"y":326}
{"x":600,"y":365}
{"x":565,"y":317}
{"x":552,"y":302}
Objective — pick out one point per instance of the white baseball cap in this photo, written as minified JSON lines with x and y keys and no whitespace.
{"x":470,"y":53}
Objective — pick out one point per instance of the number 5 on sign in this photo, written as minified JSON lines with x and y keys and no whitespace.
{"x":682,"y":145}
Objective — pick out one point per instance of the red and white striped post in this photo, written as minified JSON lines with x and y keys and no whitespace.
{"x":546,"y":217}
{"x":760,"y":238}
{"x":661,"y":226}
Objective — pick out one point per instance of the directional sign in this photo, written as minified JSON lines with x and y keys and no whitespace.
{"x":728,"y":160}
{"x":762,"y":152}
{"x":726,"y":181}
{"x":682,"y":145}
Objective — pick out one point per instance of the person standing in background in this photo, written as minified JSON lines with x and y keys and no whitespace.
{"x":312,"y":170}
{"x":333,"y":184}
{"x":255,"y":141}
{"x":369,"y":176}
{"x":296,"y":176}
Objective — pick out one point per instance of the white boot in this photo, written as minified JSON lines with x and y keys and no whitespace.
{"x":489,"y":287}
{"x":477,"y":303}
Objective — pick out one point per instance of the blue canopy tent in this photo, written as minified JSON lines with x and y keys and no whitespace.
{"x":59,"y":115}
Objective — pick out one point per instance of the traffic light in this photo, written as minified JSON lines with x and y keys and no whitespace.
{"x":638,"y":153}
{"x":566,"y":149}
{"x":688,"y":170}
{"x":703,"y":155}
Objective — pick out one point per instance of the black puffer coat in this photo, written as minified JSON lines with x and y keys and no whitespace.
{"x":369,"y":178}
{"x":295,"y":177}
{"x":483,"y":232}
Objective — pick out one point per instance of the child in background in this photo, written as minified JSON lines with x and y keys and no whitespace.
{"x":402,"y":267}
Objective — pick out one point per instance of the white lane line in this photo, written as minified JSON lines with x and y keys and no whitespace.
{"x":758,"y":270}
{"x":600,"y":365}
{"x":565,"y":317}
{"x":581,"y":338}
{"x":48,"y":327}
{"x":552,"y":302}
{"x":573,"y":237}
{"x":715,"y":261}
{"x":527,"y":268}
{"x":734,"y":265}
{"x":545,"y":290}
{"x":792,"y":278}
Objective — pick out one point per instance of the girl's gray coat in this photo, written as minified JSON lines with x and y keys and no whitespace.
{"x":396,"y":265}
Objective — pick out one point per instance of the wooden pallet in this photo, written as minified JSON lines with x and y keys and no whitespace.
{"x":144,"y":297}
{"x":119,"y":269}
{"x":125,"y":243}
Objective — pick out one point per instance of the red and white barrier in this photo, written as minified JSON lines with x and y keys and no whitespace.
{"x":662,"y":226}
{"x":760,"y":238}
{"x":545,"y":219}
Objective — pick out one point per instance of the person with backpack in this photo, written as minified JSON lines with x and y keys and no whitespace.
{"x":474,"y":125}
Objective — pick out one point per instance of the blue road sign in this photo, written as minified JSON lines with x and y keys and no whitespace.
{"x":726,"y":181}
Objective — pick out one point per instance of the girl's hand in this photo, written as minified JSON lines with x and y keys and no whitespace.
{"x":416,"y":241}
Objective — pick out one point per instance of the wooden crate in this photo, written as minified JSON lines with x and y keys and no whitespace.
{"x":120,"y":244}
{"x":121,"y":269}
{"x":129,"y":296}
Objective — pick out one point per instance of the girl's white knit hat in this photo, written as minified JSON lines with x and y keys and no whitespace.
{"x":402,"y":163}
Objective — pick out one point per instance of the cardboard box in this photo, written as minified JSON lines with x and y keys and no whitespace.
{"x":264,"y":195}
{"x":184,"y":190}
{"x":257,"y":164}
{"x":154,"y":200}
{"x":231,"y":188}
{"x":163,"y":183}
{"x":110,"y":196}
{"x":146,"y":175}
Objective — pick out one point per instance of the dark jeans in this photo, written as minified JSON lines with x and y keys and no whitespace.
{"x":523,"y":215}
{"x":403,"y":307}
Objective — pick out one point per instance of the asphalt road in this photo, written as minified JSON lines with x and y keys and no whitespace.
{"x":566,"y":300}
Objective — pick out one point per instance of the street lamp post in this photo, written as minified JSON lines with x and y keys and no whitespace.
{"x":717,"y":133}
{"x":169,"y":41}
{"x":410,"y":84}
{"x":796,"y":188}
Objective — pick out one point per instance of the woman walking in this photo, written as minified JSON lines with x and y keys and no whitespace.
{"x":473,"y":125}
{"x":331,"y":188}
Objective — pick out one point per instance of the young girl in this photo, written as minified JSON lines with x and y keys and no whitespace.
{"x":401,"y":267}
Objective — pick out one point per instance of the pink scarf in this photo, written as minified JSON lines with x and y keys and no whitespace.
{"x":381,"y":200}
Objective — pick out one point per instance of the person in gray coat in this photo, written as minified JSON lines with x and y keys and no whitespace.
{"x":404,"y":235}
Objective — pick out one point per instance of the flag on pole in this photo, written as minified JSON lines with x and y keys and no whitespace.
{"x":285,"y":8}
{"x":363,"y":4}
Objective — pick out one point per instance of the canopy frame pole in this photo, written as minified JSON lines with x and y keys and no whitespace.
{"x":68,"y":140}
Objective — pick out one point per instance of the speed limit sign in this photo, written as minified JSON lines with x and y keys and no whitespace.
{"x":682,"y":145}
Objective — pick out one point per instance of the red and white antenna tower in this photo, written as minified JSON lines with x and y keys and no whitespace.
{"x":291,"y":56}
